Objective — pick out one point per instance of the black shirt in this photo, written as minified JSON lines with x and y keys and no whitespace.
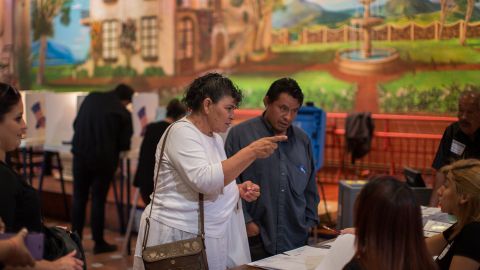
{"x":103,"y":128}
{"x":19,"y":202}
{"x":466,"y":244}
{"x":353,"y":264}
{"x":451,"y":149}
{"x":146,"y":161}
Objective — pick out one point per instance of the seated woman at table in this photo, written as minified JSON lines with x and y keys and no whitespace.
{"x":459,"y":246}
{"x":19,"y":202}
{"x":388,"y":232}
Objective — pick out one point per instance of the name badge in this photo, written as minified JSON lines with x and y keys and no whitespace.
{"x":457,"y":147}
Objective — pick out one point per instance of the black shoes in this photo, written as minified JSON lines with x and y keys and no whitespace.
{"x":104,"y":248}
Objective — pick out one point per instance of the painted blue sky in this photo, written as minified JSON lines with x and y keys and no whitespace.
{"x":75,"y":36}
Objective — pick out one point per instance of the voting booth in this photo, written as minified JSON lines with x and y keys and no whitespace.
{"x":61,"y":112}
{"x":34,"y":109}
{"x":144,"y":110}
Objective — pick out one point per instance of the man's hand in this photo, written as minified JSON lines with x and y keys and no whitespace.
{"x":252,"y":229}
{"x":249,"y":191}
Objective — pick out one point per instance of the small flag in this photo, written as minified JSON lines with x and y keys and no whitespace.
{"x":142,"y":116}
{"x":37,"y":111}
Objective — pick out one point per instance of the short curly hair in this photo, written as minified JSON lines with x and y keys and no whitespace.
{"x":211,"y":85}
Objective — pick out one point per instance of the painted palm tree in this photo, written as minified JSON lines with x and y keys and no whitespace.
{"x":263,"y":22}
{"x":43,"y":13}
{"x":468,"y":15}
{"x":447,"y":6}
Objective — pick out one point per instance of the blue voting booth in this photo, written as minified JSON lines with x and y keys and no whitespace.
{"x":313,"y":121}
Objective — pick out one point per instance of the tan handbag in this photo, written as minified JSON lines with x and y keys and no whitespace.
{"x":183,"y":254}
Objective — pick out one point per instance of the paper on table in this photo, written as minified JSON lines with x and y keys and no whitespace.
{"x":432,"y":227}
{"x":428,"y":211}
{"x":303,"y":258}
{"x":341,"y":252}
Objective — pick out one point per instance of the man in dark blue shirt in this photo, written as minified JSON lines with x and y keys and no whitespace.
{"x":287,"y":208}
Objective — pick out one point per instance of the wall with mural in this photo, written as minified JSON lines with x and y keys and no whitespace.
{"x":393,"y":56}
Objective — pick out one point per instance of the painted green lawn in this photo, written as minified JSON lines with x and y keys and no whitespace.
{"x":435,"y":92}
{"x":325,"y":91}
{"x":436,"y":52}
{"x":420,"y":51}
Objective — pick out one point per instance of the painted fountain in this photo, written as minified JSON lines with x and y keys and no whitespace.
{"x":366,"y":60}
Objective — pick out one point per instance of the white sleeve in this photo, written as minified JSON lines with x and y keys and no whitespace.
{"x":188,"y":155}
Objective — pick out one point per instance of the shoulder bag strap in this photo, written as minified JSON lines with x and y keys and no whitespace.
{"x":201,"y":229}
{"x":147,"y":220}
{"x":201,"y":225}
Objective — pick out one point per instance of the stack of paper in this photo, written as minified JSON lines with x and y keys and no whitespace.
{"x":326,"y":257}
{"x":303,"y":258}
{"x":432,"y":227}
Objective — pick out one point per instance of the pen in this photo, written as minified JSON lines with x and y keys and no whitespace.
{"x":330,"y":229}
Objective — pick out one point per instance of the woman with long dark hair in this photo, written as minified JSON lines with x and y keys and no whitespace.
{"x":388,"y":226}
{"x":19,"y":202}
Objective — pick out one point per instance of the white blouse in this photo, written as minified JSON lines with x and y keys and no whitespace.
{"x":192,"y":164}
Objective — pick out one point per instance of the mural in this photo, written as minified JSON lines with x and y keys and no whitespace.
{"x":393,"y":56}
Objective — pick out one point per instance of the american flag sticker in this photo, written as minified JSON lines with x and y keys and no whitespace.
{"x":39,"y":117}
{"x":142,"y":116}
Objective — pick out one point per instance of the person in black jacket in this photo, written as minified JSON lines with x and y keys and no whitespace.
{"x":153,"y":133}
{"x":102,"y":129}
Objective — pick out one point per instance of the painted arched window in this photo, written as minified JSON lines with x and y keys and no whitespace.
{"x":149,"y":37}
{"x":110,"y":37}
{"x":186,"y":38}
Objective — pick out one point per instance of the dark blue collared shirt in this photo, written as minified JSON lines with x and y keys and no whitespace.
{"x":287,"y":206}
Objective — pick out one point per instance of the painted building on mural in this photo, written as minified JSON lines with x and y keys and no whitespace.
{"x":6,"y":40}
{"x":172,"y":37}
{"x":14,"y":39}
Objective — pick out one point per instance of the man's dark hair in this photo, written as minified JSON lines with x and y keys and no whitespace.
{"x":213,"y":86}
{"x":124,"y":92}
{"x":285,"y":85}
{"x":176,"y":109}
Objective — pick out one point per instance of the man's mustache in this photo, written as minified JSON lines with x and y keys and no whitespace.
{"x":464,"y":122}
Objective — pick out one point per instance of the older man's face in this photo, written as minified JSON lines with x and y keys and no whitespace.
{"x":469,"y":114}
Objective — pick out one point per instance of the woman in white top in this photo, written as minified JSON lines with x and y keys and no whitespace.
{"x":194,"y":162}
